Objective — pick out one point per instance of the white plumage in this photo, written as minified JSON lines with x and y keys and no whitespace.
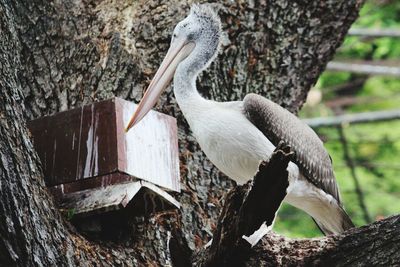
{"x":233,"y":135}
{"x":227,"y":137}
{"x":236,"y":147}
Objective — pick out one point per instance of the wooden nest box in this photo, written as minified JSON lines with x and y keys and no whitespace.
{"x":93,"y":166}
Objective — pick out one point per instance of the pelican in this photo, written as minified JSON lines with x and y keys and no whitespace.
{"x":236,"y":136}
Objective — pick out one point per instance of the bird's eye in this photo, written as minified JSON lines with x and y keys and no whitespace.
{"x":190,"y":36}
{"x":174,"y":35}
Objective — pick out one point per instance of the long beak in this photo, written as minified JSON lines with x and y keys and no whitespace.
{"x":178,"y":51}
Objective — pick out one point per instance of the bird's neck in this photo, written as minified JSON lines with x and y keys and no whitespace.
{"x":185,"y":90}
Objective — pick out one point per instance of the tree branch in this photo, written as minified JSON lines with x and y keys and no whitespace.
{"x":350,"y":164}
{"x":363,"y":117}
{"x":365,"y":68}
{"x":376,"y":244}
{"x":246,"y":208}
{"x":374,"y":33}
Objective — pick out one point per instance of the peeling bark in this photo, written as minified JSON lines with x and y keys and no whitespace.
{"x":243,"y":215}
{"x":62,"y":54}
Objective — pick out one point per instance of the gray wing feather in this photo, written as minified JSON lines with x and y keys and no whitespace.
{"x":277,"y":124}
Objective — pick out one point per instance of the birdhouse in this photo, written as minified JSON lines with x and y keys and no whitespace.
{"x":93,"y":166}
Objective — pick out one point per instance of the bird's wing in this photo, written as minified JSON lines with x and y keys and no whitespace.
{"x":278,"y":124}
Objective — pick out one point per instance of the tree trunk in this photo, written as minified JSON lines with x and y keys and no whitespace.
{"x":62,"y":54}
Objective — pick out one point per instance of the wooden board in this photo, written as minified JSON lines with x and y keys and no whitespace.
{"x":91,"y":141}
{"x":150,"y":148}
{"x":76,"y":144}
{"x":114,"y":197}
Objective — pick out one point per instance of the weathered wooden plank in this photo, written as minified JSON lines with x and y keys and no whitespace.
{"x":115,"y":197}
{"x":151,"y":146}
{"x":76,"y":144}
{"x":92,"y":182}
{"x":90,"y":141}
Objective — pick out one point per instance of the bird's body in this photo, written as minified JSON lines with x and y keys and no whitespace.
{"x":236,"y":136}
{"x":227,"y":137}
{"x":237,"y":147}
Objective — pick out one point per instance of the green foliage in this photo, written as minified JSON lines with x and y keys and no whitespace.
{"x":329,"y":79}
{"x":376,"y":151}
{"x":374,"y":15}
{"x":379,"y":15}
{"x":374,"y":147}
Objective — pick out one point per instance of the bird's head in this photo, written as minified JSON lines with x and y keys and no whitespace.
{"x":195,"y":39}
{"x":202,"y":28}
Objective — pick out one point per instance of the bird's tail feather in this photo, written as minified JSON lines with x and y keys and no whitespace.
{"x":338,"y":224}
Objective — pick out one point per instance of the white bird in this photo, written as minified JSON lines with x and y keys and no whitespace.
{"x":236,"y":136}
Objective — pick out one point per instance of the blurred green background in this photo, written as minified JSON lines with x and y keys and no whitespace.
{"x":373,"y":148}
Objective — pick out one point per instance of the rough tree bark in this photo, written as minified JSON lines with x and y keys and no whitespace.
{"x":373,"y":245}
{"x":56,"y":55}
